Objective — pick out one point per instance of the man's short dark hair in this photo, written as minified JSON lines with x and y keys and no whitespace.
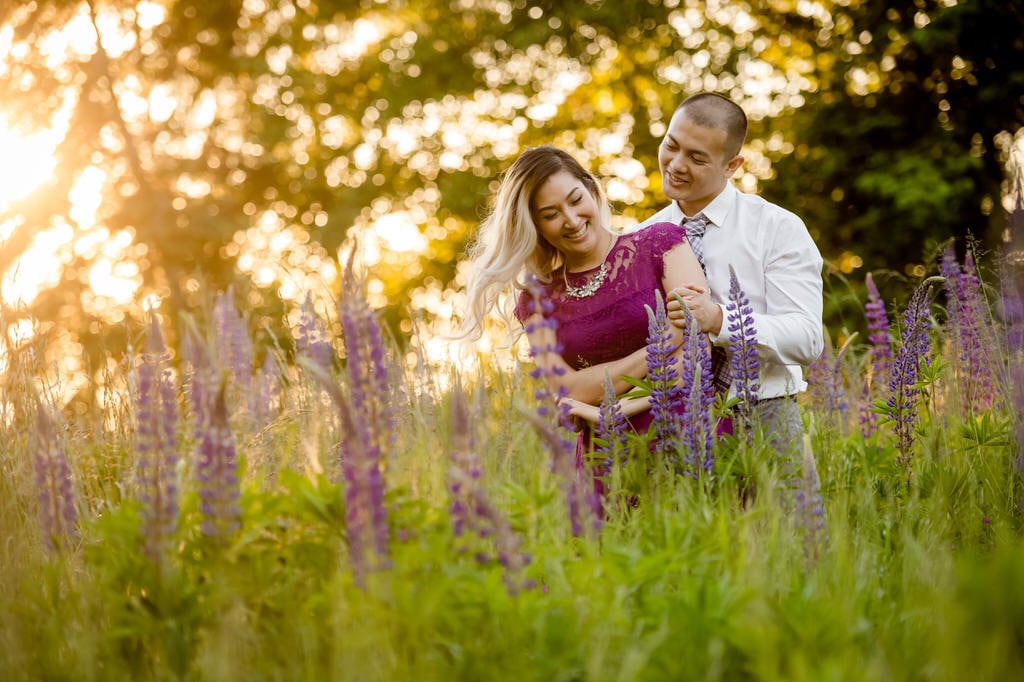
{"x":712,"y":110}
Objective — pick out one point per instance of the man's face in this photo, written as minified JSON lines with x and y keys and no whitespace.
{"x":695,"y":163}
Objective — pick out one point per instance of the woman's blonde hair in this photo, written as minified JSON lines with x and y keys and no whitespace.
{"x":508,"y":246}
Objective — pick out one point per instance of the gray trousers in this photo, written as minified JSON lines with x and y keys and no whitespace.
{"x":782,"y":423}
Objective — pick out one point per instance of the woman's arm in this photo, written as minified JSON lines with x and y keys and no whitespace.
{"x":586,"y":384}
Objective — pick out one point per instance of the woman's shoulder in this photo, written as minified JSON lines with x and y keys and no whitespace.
{"x":660,"y":236}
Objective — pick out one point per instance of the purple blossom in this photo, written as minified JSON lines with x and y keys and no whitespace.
{"x":667,"y":400}
{"x":366,"y":521}
{"x":810,"y":509}
{"x":880,"y":357}
{"x":216,"y":472}
{"x":58,"y":516}
{"x":313,"y":341}
{"x":612,"y":426}
{"x":201,"y":377}
{"x":365,"y":364}
{"x":267,"y":390}
{"x":967,"y":323}
{"x":743,"y":352}
{"x":471,"y":511}
{"x":698,"y":387}
{"x":1013,"y":319}
{"x":825,"y":378}
{"x":903,"y":389}
{"x":236,"y":346}
{"x":157,"y":422}
{"x":567,"y":459}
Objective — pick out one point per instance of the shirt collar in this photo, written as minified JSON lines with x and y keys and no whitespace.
{"x":717,"y":210}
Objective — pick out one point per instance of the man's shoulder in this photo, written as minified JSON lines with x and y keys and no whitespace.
{"x":764,"y":208}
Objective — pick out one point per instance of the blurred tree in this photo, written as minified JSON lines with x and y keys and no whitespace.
{"x":905,"y":135}
{"x":245,"y":141}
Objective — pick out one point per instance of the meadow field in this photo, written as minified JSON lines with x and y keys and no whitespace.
{"x":223,"y":511}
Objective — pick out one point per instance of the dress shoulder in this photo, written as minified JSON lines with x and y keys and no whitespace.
{"x":660,"y":238}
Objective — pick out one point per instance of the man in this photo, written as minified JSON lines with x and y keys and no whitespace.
{"x":774,"y":257}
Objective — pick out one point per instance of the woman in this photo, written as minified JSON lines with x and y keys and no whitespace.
{"x":551,"y":219}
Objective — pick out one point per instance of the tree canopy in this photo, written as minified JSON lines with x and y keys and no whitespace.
{"x":244,"y":142}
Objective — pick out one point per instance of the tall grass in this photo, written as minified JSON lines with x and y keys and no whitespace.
{"x":913,"y":571}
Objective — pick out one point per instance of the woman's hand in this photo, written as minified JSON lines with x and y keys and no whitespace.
{"x":581,"y":410}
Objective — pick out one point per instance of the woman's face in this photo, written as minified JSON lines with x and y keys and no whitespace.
{"x":568,"y":218}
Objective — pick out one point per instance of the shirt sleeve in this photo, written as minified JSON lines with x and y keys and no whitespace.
{"x":790,"y":330}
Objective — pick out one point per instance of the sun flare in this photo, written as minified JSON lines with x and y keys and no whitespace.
{"x":27,"y":162}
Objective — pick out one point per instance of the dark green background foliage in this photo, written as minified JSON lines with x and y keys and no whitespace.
{"x":893,"y":120}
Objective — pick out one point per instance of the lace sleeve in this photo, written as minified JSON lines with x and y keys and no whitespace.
{"x":660,"y":238}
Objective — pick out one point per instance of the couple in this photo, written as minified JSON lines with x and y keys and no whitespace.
{"x":551,"y":219}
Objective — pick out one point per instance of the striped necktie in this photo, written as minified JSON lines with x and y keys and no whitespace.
{"x":695,"y":228}
{"x":721,"y":373}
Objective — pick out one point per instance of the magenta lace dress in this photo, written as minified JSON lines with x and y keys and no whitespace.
{"x":612,"y":323}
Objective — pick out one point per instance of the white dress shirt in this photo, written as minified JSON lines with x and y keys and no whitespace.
{"x":779,"y":269}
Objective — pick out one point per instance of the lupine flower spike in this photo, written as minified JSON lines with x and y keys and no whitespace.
{"x":216,"y":472}
{"x":566,"y":459}
{"x":58,"y":516}
{"x":825,"y":380}
{"x":810,"y":508}
{"x":697,"y":385}
{"x":903,"y":389}
{"x":365,"y":363}
{"x":157,"y":423}
{"x":880,"y":364}
{"x":967,"y":327}
{"x":743,"y":354}
{"x":663,"y":377}
{"x":236,"y":354}
{"x":366,"y":521}
{"x":312,"y":341}
{"x":471,"y":511}
{"x":612,"y":428}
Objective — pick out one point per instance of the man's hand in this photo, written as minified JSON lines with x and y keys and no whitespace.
{"x":698,"y":300}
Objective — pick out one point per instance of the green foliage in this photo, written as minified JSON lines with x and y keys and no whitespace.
{"x":688,"y":579}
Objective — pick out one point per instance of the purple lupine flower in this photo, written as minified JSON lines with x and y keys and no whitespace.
{"x":369,"y":391}
{"x":698,"y":387}
{"x":237,"y":351}
{"x":216,"y":472}
{"x":1012,"y":299}
{"x":663,"y":378}
{"x":471,"y":510}
{"x":58,"y":516}
{"x":365,"y":363}
{"x":201,"y":378}
{"x":313,"y":341}
{"x":977,"y":343}
{"x":267,"y":391}
{"x":157,"y":422}
{"x":810,"y":508}
{"x":366,"y":522}
{"x":880,"y":357}
{"x":903,"y":390}
{"x":567,"y":461}
{"x":825,"y":379}
{"x":743,"y":354}
{"x":612,"y":426}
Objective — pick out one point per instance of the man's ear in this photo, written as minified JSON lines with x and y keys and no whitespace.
{"x":734,"y":165}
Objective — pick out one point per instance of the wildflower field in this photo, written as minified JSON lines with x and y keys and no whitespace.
{"x":334,"y":512}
